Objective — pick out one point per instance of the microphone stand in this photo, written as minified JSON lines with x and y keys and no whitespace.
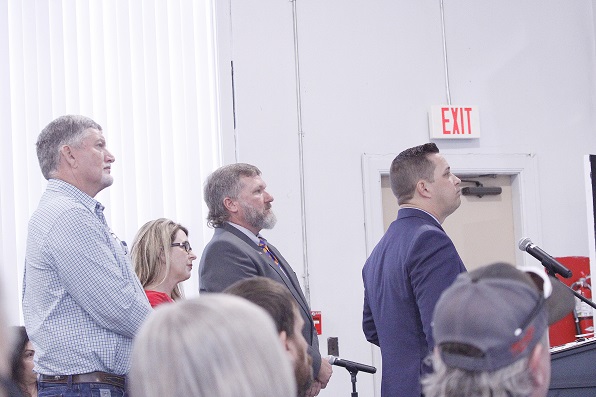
{"x":353,"y":369}
{"x":580,"y":296}
{"x":353,"y":372}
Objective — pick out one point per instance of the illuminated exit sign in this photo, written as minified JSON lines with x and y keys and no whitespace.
{"x":454,"y":122}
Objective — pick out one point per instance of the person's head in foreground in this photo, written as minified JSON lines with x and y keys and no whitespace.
{"x":212,"y":346}
{"x":22,"y":361}
{"x":277,"y":300}
{"x":491,"y":329}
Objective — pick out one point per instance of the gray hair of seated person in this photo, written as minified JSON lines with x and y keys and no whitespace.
{"x":514,"y":380}
{"x":212,"y":346}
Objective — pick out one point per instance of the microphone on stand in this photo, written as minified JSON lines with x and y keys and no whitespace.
{"x":351,"y":366}
{"x":550,"y":263}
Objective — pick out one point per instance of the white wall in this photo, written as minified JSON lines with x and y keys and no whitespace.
{"x":369,"y":71}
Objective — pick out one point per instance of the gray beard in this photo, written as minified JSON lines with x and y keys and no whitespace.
{"x":257,"y":219}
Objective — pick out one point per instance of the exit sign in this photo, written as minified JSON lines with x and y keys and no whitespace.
{"x":454,"y":122}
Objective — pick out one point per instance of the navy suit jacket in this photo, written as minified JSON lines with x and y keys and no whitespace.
{"x":404,"y":276}
{"x":231,"y":256}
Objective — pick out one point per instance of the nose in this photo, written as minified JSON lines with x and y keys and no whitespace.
{"x":192,"y":255}
{"x":109,"y":156}
{"x":457,"y":180}
{"x":268,"y":197}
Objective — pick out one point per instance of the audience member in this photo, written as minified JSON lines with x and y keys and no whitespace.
{"x":213,"y":346}
{"x":239,"y":208}
{"x":162,"y":257}
{"x":281,"y":306}
{"x":410,"y":267}
{"x":491,"y":333}
{"x":22,"y":362}
{"x":8,"y":388}
{"x":82,"y":301}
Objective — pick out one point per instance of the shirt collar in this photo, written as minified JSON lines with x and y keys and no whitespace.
{"x":420,"y":209}
{"x":89,"y":202}
{"x":244,"y":230}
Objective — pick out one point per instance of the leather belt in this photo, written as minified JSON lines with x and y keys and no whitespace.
{"x":91,"y":377}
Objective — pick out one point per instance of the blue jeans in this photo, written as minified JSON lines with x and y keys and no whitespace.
{"x":46,"y":389}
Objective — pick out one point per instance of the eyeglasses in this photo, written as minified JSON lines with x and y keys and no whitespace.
{"x":184,"y":245}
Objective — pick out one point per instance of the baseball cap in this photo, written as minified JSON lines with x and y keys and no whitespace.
{"x":493,"y":316}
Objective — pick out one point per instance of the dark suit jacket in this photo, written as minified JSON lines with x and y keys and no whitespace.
{"x":231,"y":256}
{"x":404,"y":276}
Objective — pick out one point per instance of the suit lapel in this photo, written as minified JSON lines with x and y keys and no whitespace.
{"x":289,"y":279}
{"x":254,"y":246}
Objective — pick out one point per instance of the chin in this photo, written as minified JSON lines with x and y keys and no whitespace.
{"x":107,"y":181}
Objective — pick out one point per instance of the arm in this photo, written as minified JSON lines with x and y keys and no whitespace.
{"x":435,"y":266}
{"x":103,"y":286}
{"x":222,"y":264}
{"x":368,"y":322}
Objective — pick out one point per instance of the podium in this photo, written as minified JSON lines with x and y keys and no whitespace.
{"x":573,"y":369}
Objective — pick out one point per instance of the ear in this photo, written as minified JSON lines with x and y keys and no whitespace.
{"x":230,"y":205}
{"x":283,"y":337}
{"x":538,"y":366}
{"x":67,"y":154}
{"x":422,"y":188}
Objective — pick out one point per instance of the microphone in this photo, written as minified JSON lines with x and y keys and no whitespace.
{"x":550,"y":263}
{"x":351,"y":366}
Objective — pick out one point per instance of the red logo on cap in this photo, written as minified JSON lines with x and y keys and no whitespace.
{"x":521,"y":345}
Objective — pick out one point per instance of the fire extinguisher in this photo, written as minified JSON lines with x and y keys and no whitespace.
{"x":582,"y":314}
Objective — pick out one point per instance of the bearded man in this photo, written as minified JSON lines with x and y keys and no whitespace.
{"x":239,"y":208}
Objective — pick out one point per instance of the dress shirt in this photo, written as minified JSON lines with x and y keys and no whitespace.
{"x":82,"y":301}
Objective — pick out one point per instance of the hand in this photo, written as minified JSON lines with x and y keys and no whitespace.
{"x":314,"y":389}
{"x":324,"y":373}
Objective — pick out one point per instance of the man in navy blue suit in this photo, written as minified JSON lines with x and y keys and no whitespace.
{"x":410,"y":267}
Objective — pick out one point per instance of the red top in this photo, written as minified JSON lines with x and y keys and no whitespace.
{"x":157,"y":298}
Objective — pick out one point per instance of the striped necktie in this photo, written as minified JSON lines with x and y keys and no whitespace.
{"x":265,"y":248}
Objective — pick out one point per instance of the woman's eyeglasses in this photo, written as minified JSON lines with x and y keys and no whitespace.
{"x":184,"y":245}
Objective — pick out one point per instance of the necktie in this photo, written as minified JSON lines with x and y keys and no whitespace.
{"x":265,"y":248}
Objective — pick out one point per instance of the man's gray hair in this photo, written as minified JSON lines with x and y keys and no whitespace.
{"x":514,"y":380}
{"x":65,"y":130}
{"x":225,"y":182}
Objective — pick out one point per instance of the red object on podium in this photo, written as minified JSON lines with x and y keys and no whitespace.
{"x":564,"y":331}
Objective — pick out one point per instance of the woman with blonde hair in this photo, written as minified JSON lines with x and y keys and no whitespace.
{"x":216,"y":345}
{"x":162,"y":257}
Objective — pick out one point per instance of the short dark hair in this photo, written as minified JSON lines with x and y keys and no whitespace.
{"x":408,"y":168}
{"x":224,"y":182}
{"x":271,"y":296}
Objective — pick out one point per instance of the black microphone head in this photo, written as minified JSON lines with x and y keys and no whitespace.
{"x":524,"y":243}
